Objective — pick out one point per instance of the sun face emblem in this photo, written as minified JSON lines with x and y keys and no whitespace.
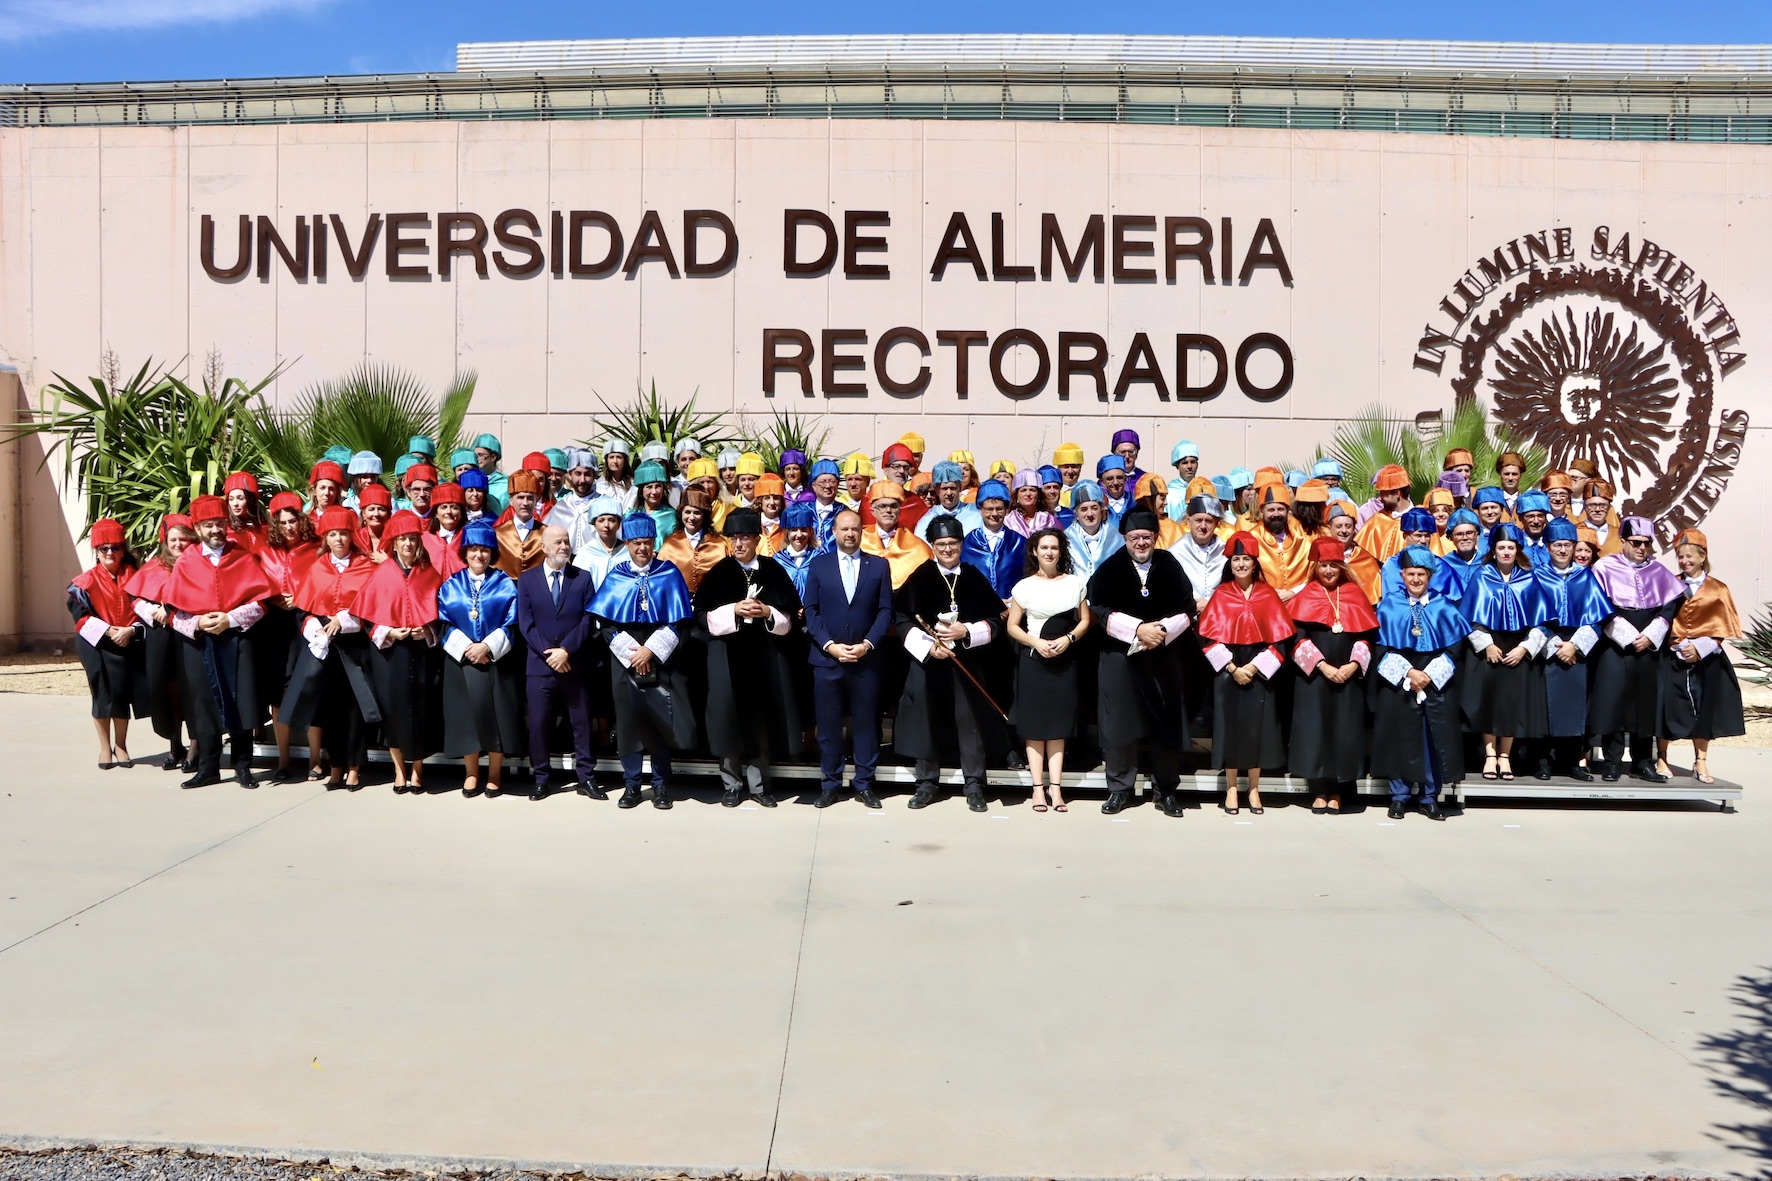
{"x":1589,"y":386}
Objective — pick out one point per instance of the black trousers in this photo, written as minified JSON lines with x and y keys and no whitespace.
{"x":1642,"y":747}
{"x":1121,"y":768}
{"x":972,"y":754}
{"x":209,"y":751}
{"x":549,"y":693}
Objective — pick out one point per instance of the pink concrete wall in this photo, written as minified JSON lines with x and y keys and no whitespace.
{"x":98,"y":231}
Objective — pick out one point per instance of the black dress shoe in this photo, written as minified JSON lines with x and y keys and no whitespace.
{"x":825,"y":799}
{"x":1610,"y":772}
{"x":765,"y":797}
{"x":866,"y":797}
{"x":1017,"y":761}
{"x":172,"y":761}
{"x":539,"y":792}
{"x":202,"y":779}
{"x":245,"y":778}
{"x":189,"y":765}
{"x":1169,"y":804}
{"x":1431,"y":809}
{"x":630,"y":798}
{"x":1398,"y":810}
{"x":1647,"y":773}
{"x":591,"y":789}
{"x":975,"y":800}
{"x":733,"y":798}
{"x":661,"y":797}
{"x":922,"y":799}
{"x":1582,"y":774}
{"x":1544,"y":770}
{"x":1116,"y":802}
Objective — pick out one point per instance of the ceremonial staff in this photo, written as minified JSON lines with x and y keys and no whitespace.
{"x":976,"y":684}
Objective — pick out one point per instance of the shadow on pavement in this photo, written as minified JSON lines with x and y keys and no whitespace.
{"x":1741,"y":1060}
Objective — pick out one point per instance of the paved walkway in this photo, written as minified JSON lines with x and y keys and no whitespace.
{"x":1528,"y":990}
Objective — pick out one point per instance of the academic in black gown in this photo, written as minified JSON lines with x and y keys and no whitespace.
{"x":928,"y":707}
{"x":753,"y":707}
{"x":482,"y":703}
{"x":1142,"y":697}
{"x":1329,"y":720}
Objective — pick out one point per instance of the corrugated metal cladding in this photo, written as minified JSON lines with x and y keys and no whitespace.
{"x":1707,"y":93}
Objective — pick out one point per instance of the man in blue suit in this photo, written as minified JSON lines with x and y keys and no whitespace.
{"x":848,"y":600}
{"x":551,"y":602}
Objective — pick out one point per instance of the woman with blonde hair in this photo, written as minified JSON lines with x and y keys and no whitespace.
{"x":1700,"y":696}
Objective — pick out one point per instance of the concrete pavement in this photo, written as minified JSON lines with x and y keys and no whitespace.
{"x":1526,"y":990}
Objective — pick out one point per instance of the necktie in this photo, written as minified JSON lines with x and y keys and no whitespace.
{"x":554,"y":578}
{"x":849,"y":577}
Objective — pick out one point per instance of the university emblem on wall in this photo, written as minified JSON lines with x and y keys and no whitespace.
{"x":1615,"y":357}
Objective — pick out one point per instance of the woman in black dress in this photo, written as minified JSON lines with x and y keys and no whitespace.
{"x":161,"y":643}
{"x":482,"y":664}
{"x":1048,"y":615}
{"x":1336,"y":629}
{"x":331,"y":686}
{"x":1700,"y":696}
{"x":1503,"y":694}
{"x":1244,"y":631}
{"x":399,"y":603}
{"x":107,"y":631}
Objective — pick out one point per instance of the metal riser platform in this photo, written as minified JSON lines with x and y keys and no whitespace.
{"x":1722,"y":792}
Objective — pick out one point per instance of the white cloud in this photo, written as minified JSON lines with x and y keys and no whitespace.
{"x":23,"y":19}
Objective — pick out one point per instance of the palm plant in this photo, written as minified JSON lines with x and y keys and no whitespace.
{"x":139,"y":447}
{"x":649,"y":417}
{"x":1375,"y":437}
{"x":374,"y":408}
{"x":1756,"y":646}
{"x":787,"y":430}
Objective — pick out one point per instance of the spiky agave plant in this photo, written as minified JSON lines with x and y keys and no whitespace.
{"x":141,"y":446}
{"x":649,"y":417}
{"x":1375,"y":437}
{"x":787,"y":430}
{"x":1756,"y":645}
{"x":374,"y":407}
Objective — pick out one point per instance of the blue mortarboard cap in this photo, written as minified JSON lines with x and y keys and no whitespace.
{"x":1108,"y":463}
{"x":1489,"y":494}
{"x":1463,"y":516}
{"x":1084,"y":491}
{"x":1418,"y":520}
{"x":639,"y":525}
{"x":1325,"y":467}
{"x":799,"y":516}
{"x":480,"y":532}
{"x":603,"y":506}
{"x":473,"y":478}
{"x":993,"y":490}
{"x":1241,"y":478}
{"x":1506,"y":531}
{"x":947,"y":472}
{"x":825,"y":467}
{"x":1222,"y":486}
{"x":1534,"y":502}
{"x":1050,"y":474}
{"x":364,"y":463}
{"x":1183,"y":450}
{"x":1561,"y":529}
{"x":1419,"y":557}
{"x":1294,"y":478}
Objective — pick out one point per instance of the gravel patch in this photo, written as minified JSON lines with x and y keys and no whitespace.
{"x":56,"y":673}
{"x":170,"y":1164}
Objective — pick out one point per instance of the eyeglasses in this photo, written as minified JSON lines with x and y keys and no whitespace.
{"x":1636,"y":541}
{"x":108,"y":549}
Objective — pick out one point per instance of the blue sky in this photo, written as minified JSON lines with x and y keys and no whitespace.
{"x":109,"y":40}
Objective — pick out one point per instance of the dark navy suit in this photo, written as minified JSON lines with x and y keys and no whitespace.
{"x":832,"y":615}
{"x":546,"y":625}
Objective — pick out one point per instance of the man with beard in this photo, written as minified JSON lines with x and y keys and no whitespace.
{"x":1285,"y":548}
{"x":218,"y":591}
{"x":745,"y":610}
{"x":1534,"y":509}
{"x":949,"y":615}
{"x":519,"y":538}
{"x":581,"y":488}
{"x":1378,"y":517}
{"x":1146,"y":603}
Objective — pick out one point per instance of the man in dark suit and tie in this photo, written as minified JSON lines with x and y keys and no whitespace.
{"x":848,"y":603}
{"x":551,"y":601}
